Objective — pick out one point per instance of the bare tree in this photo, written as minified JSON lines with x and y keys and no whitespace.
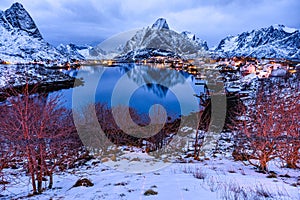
{"x":289,"y":144}
{"x":122,"y":125}
{"x":270,"y":127}
{"x":39,"y":130}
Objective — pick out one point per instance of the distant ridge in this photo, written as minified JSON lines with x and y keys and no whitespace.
{"x":276,"y":41}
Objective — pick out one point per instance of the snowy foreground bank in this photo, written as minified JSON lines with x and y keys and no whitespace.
{"x":214,"y":178}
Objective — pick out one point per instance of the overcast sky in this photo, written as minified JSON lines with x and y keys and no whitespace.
{"x":92,"y":21}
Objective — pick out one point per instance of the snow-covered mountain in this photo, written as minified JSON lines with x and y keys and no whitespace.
{"x":159,"y":36}
{"x":157,"y":39}
{"x":72,"y":51}
{"x":277,"y":41}
{"x":20,"y":39}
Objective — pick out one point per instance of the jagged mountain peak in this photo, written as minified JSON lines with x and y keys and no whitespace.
{"x":20,"y":19}
{"x":161,"y":23}
{"x":17,"y":5}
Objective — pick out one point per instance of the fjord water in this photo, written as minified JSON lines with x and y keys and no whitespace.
{"x":137,"y":86}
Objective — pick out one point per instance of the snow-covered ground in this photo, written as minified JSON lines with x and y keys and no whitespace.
{"x":218,"y":177}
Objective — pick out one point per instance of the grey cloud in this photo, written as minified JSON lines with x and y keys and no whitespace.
{"x":64,"y":21}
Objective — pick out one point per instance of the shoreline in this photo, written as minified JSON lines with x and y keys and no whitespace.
{"x":47,"y":87}
{"x":15,"y":77}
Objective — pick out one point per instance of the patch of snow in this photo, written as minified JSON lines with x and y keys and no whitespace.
{"x":249,"y":78}
{"x":279,"y":72}
{"x":231,"y":44}
{"x":286,"y":29}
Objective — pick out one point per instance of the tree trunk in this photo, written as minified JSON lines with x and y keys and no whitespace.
{"x":263,"y":163}
{"x":50,"y":180}
{"x":40,"y":183}
{"x":40,"y":176}
{"x":33,"y":183}
{"x":291,"y":163}
{"x":31,"y":169}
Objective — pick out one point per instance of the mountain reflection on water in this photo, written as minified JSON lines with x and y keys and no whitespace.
{"x":144,"y":85}
{"x":155,"y":80}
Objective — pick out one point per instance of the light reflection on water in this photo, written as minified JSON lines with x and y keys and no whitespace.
{"x":155,"y":86}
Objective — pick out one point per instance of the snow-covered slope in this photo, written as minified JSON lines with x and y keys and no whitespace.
{"x":159,"y":36}
{"x":277,"y":41}
{"x":141,"y":54}
{"x":98,"y":53}
{"x":133,"y":173}
{"x":195,"y":40}
{"x":20,"y":39}
{"x":71,"y":51}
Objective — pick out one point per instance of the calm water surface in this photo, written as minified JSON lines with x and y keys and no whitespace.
{"x":137,"y":86}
